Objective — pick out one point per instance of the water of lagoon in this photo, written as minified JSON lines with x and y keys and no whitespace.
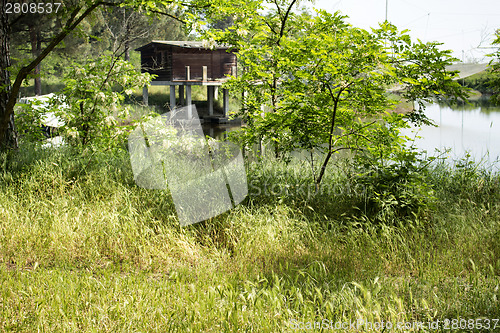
{"x":463,"y":129}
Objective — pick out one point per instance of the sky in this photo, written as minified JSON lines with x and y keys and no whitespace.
{"x":465,"y":26}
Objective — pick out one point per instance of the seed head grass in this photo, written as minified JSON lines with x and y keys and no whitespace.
{"x":82,"y":248}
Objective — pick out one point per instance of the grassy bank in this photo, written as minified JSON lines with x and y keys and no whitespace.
{"x":84,"y":249}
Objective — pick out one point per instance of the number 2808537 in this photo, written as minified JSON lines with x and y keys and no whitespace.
{"x":32,"y":8}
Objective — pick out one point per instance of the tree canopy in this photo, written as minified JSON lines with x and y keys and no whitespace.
{"x":313,"y":81}
{"x":495,"y":67}
{"x":307,"y":80}
{"x":68,"y":19}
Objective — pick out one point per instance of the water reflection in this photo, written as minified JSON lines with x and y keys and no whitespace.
{"x":219,"y":131}
{"x":483,"y":104}
{"x":473,"y":129}
{"x":464,"y":128}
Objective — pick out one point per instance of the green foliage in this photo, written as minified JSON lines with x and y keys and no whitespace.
{"x":70,"y":19}
{"x":484,"y":82}
{"x":395,"y":182}
{"x":419,"y":68}
{"x":29,"y":121}
{"x":84,"y":249}
{"x":494,"y":82}
{"x":93,"y":94}
{"x":316,"y":82}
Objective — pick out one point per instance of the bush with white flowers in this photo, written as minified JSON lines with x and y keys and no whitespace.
{"x":95,"y":93}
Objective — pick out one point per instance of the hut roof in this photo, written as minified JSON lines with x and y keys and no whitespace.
{"x":183,"y":44}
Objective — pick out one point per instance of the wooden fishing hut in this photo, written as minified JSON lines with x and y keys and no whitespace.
{"x":184,"y":64}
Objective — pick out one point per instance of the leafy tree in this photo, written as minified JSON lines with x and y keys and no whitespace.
{"x":30,"y":33}
{"x":258,"y":39}
{"x":315,"y":82}
{"x":90,"y":104}
{"x":126,"y":28}
{"x":495,"y":68}
{"x":71,"y":14}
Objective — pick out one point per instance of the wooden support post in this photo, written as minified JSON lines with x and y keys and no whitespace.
{"x":172,"y":97}
{"x":225,"y":108}
{"x":188,"y":73}
{"x":189,"y":102}
{"x":210,"y":97}
{"x":233,"y":71}
{"x":181,"y":95}
{"x":205,"y":73}
{"x":145,"y":95}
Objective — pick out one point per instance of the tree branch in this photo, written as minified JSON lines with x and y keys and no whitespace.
{"x":73,"y":21}
{"x":284,"y":19}
{"x":168,"y":15}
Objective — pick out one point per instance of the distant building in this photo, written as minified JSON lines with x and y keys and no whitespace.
{"x":188,"y":63}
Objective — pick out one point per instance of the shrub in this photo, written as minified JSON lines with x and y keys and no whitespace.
{"x":94,"y":93}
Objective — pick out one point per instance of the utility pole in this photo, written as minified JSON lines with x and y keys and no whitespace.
{"x":386,"y":1}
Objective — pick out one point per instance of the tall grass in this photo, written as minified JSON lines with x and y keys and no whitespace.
{"x":82,"y":248}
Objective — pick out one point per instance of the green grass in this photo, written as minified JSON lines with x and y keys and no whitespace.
{"x":159,"y":98}
{"x":481,"y":83}
{"x":84,"y":249}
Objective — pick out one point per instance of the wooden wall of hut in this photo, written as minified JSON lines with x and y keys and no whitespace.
{"x":218,"y":63}
{"x":169,"y":62}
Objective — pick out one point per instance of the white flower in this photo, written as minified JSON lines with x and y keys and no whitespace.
{"x":101,"y":96}
{"x":129,"y":91}
{"x":72,"y":132}
{"x":124,"y":112}
{"x":208,"y":44}
{"x":109,"y":120}
{"x":241,"y":32}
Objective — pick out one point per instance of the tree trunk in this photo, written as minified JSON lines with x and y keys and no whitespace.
{"x":36,"y":47}
{"x":8,"y":134}
{"x":127,"y":43}
{"x":8,"y":93}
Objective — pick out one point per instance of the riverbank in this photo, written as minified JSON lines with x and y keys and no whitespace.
{"x":82,"y":248}
{"x":403,"y":106}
